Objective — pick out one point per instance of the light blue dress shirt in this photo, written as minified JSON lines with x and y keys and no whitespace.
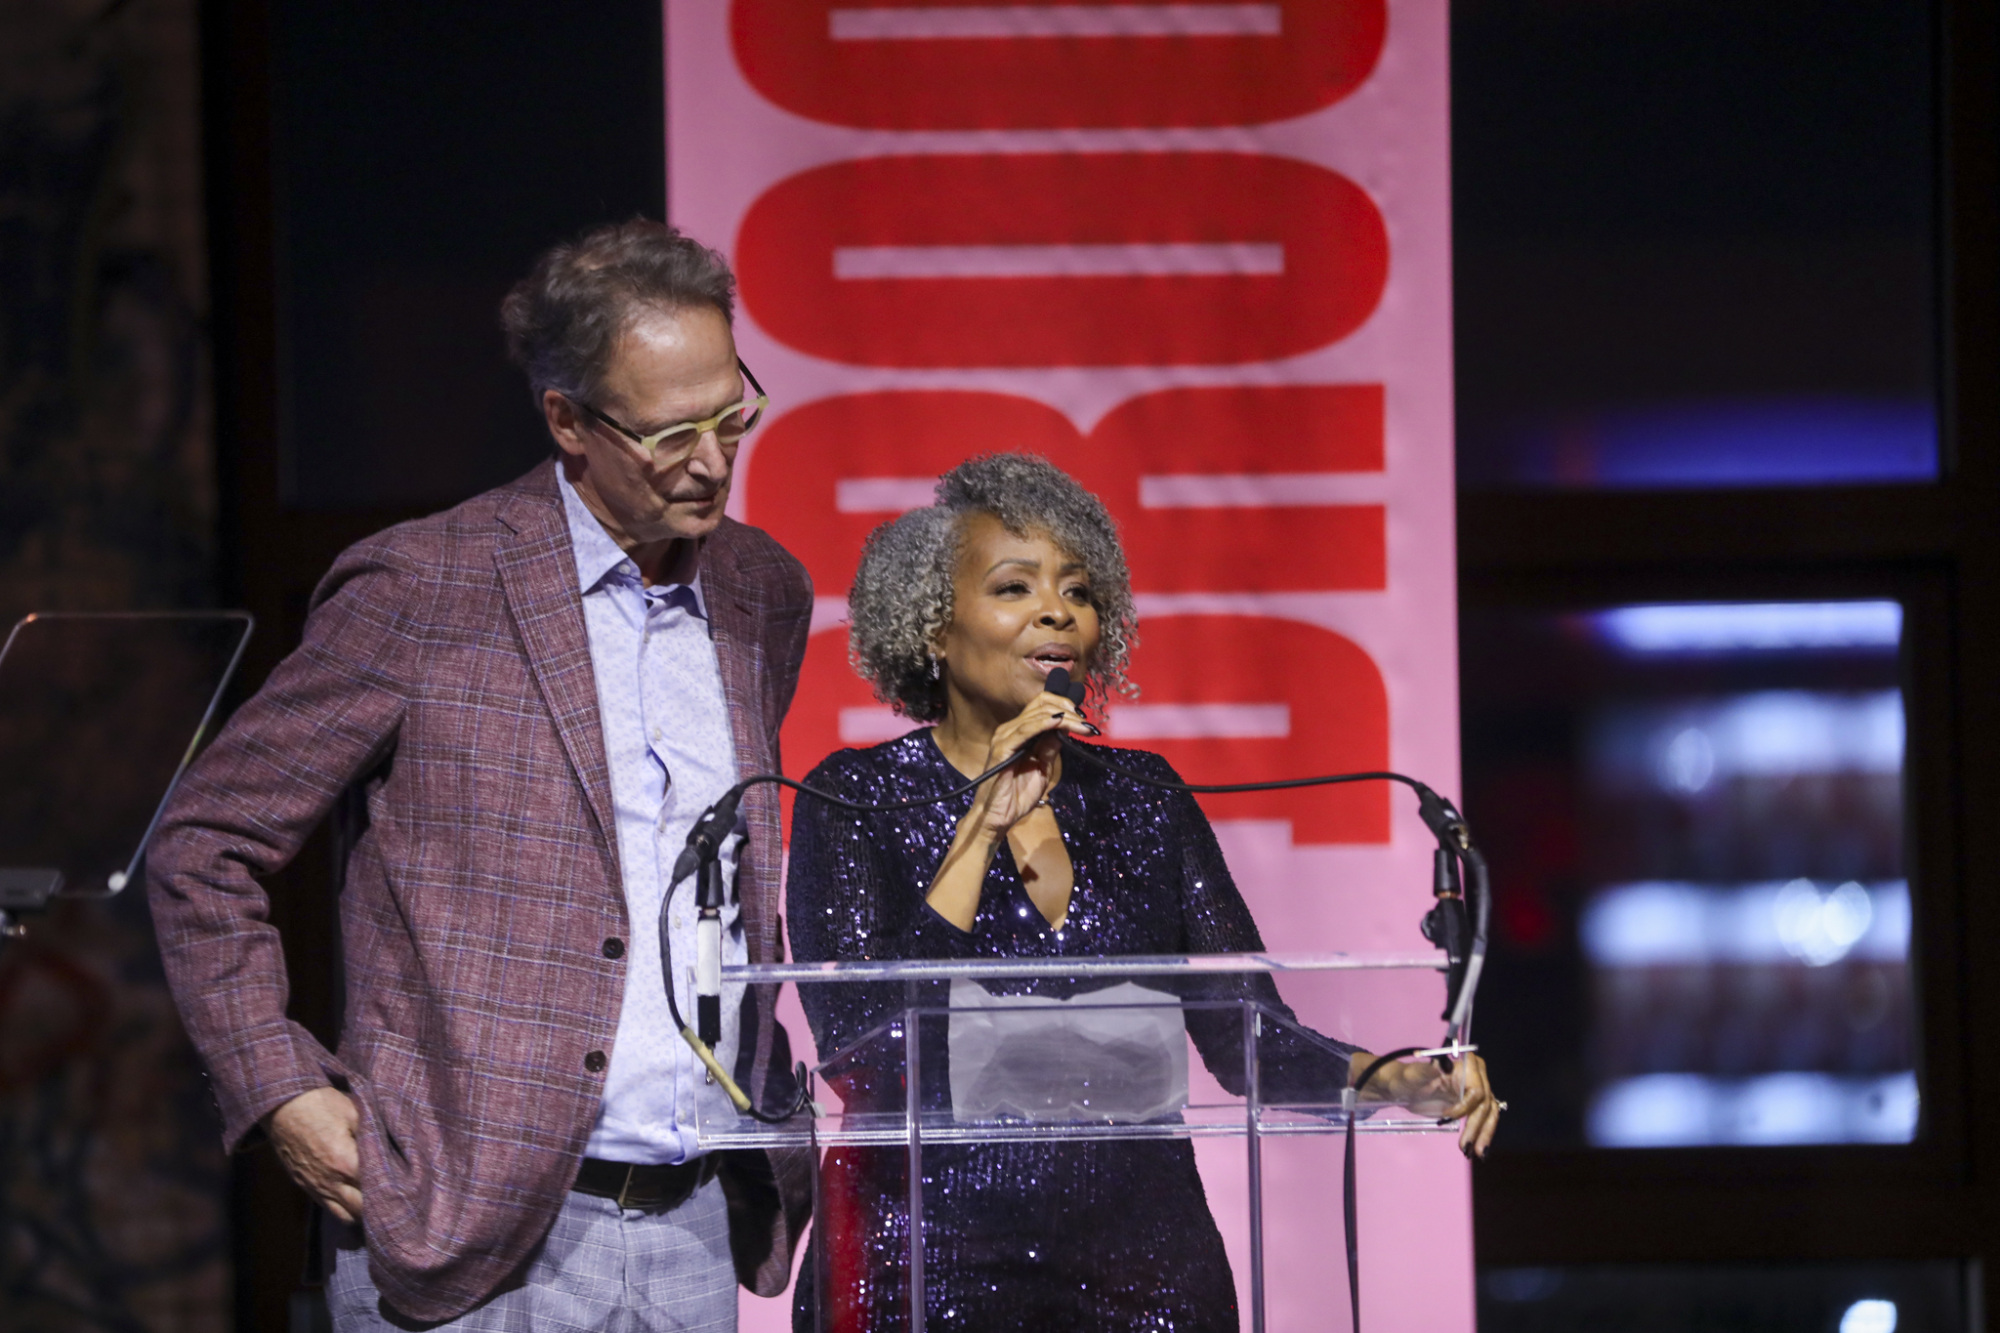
{"x":671,"y":754}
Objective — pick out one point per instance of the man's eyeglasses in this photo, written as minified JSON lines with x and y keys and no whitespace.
{"x":676,"y":444}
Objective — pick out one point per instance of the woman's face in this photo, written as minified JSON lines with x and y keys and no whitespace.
{"x":1021,"y":607}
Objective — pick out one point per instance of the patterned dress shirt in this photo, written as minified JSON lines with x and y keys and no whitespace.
{"x":666,"y":735}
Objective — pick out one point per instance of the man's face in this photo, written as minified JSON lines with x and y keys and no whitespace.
{"x":668,"y":367}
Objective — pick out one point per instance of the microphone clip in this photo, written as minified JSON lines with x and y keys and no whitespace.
{"x":1449,"y":924}
{"x":1441,"y":817}
{"x":705,"y":841}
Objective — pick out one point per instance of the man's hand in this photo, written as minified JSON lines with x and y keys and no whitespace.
{"x":314,"y":1134}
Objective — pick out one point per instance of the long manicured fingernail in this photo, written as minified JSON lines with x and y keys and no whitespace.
{"x":1092,"y":727}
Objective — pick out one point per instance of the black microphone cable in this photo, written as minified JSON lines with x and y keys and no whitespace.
{"x":1446,"y":925}
{"x":702,"y":855}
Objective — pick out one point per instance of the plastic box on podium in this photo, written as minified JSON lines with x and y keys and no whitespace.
{"x":945,"y":1056}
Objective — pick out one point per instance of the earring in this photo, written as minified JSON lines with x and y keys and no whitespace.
{"x":937,"y":668}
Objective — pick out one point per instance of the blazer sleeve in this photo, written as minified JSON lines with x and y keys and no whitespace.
{"x":788,"y":649}
{"x":328,"y":714}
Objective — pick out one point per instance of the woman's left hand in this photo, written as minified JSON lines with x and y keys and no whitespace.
{"x":1463,"y":1095}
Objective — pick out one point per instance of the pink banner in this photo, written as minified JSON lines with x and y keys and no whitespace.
{"x":1199,"y":255}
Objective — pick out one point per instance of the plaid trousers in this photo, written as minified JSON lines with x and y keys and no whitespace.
{"x":601,"y":1269}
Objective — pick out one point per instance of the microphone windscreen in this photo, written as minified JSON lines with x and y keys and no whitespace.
{"x":1059,"y":683}
{"x":685,"y":865}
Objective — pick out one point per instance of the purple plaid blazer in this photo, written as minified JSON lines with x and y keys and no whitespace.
{"x":445,"y":674}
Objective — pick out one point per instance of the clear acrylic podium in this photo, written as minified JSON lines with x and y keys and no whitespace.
{"x":99,"y":714}
{"x":940,"y":1061}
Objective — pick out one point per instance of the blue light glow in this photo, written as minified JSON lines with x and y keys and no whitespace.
{"x":1733,"y":627}
{"x":1767,"y":442}
{"x":1870,"y":1316}
{"x":1692,"y":1110}
{"x":1684,"y":749}
{"x":1660,"y":924}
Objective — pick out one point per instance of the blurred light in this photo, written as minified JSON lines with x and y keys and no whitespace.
{"x":1661,"y":923}
{"x":1821,"y":927}
{"x":1516,"y":1286}
{"x":1782,"y":733}
{"x":1783,"y":1108}
{"x":1688,"y":762}
{"x":1637,"y":925}
{"x":1723,"y":627}
{"x":1688,"y":1110}
{"x":1684,"y":749}
{"x":1653,"y":1111}
{"x":1769,"y":442}
{"x":1869,"y":1316}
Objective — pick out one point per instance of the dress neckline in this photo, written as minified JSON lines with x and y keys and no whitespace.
{"x":938,"y":756}
{"x":1059,"y":801}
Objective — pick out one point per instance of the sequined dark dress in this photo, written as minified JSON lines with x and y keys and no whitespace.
{"x":1099,"y":1235}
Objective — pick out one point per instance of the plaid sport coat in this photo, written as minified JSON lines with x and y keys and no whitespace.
{"x":445,"y":675}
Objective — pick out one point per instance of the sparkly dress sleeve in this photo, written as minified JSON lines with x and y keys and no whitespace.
{"x":1215,"y":919}
{"x":850,"y":897}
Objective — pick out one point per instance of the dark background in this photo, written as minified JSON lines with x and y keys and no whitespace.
{"x":1657,"y":203}
{"x":422,"y":156}
{"x":1687,"y":202}
{"x":378,"y":176}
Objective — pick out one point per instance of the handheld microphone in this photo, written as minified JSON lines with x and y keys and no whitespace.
{"x":1059,"y":683}
{"x":1458,"y":922}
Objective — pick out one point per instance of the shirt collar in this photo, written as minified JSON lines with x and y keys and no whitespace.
{"x":599,"y":559}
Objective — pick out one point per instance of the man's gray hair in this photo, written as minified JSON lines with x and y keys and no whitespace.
{"x":901,"y":601}
{"x":564,"y":319}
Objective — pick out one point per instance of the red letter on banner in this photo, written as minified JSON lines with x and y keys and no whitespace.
{"x":883,"y":66}
{"x":827,"y":686}
{"x":1226,"y":699}
{"x":1062,"y":259}
{"x":824,"y":475}
{"x":1245,"y":430}
{"x":1245,"y":698}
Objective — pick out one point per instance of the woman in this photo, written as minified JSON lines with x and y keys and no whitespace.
{"x":958,"y":614}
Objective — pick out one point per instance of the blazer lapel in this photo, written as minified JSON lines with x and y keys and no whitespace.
{"x":538,"y":572}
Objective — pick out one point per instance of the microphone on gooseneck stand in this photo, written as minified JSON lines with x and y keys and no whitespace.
{"x":1457,"y":922}
{"x":1459,"y":932}
{"x":703,"y":855}
{"x":701,"y":858}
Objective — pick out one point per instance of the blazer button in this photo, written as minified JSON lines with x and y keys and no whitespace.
{"x":595,"y":1062}
{"x":614,"y":948}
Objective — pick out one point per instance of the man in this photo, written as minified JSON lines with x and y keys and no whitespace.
{"x":536,"y":693}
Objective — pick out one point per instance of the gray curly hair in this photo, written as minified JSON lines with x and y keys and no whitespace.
{"x":901,"y":600}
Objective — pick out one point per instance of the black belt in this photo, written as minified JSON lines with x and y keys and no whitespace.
{"x":655,"y":1188}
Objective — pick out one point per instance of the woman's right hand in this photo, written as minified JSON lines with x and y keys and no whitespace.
{"x":1004,"y":800}
{"x":1035,"y":735}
